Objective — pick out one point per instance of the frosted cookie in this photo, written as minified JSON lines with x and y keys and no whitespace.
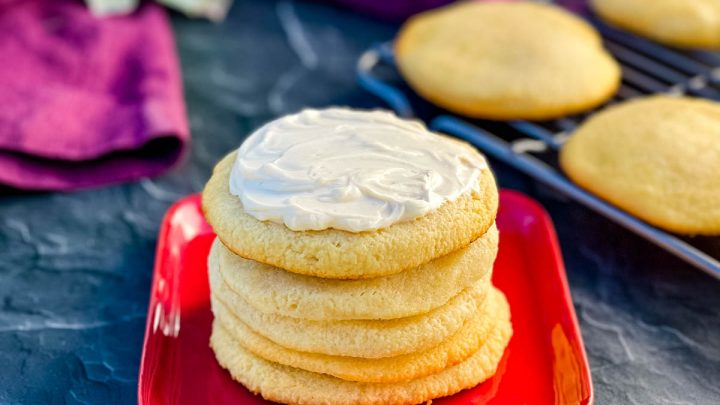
{"x":359,"y":338}
{"x":412,"y":292}
{"x":455,"y":349}
{"x":285,"y":384}
{"x":655,"y":157}
{"x":349,"y":194}
{"x":509,"y":60}
{"x":682,"y":23}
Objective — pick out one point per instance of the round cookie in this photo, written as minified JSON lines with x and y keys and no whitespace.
{"x":682,"y":23}
{"x":358,"y":338}
{"x":285,"y":384}
{"x":412,"y":292}
{"x":406,"y":367}
{"x":656,"y":157}
{"x":339,"y":254}
{"x":509,"y":60}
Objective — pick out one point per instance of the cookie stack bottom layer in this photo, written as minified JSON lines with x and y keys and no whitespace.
{"x":439,"y":350}
{"x":470,"y":338}
{"x":285,"y":384}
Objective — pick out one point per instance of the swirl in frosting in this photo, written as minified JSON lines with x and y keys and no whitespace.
{"x":350,"y":170}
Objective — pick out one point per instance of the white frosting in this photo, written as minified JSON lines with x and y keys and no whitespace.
{"x":350,"y":170}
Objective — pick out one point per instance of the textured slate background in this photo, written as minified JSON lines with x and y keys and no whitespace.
{"x":75,"y":269}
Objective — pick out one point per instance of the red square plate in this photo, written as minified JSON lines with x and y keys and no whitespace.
{"x":545,"y":362}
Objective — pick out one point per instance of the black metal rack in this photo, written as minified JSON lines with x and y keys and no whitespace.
{"x":531,"y":147}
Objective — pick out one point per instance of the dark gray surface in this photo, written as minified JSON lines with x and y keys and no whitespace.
{"x":75,"y":269}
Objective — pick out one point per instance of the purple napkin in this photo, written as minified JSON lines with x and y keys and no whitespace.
{"x":86,"y":101}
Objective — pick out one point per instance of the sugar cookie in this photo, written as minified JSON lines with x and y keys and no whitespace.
{"x":344,"y":255}
{"x":361,"y":338}
{"x":406,"y":367}
{"x":411,"y":292}
{"x":656,"y":157}
{"x":682,"y":23}
{"x":508,"y":60}
{"x":285,"y":384}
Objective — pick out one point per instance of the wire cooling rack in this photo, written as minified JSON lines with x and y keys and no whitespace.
{"x":531,"y":147}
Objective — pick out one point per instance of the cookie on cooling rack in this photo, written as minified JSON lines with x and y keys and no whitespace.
{"x":514,"y":60}
{"x":656,"y":157}
{"x":681,"y":23}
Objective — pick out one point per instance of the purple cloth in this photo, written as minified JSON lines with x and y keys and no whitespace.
{"x":401,"y":9}
{"x":86,"y":101}
{"x":391,"y":9}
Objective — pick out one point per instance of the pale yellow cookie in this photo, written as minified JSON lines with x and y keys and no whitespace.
{"x":344,"y":255}
{"x":290,"y":385}
{"x":683,"y":23}
{"x":455,"y":349}
{"x":412,"y":292}
{"x":359,"y":338}
{"x":510,"y":60}
{"x":655,"y":157}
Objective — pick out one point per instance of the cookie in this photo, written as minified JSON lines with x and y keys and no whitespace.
{"x":285,"y":384}
{"x":681,"y":23}
{"x":358,"y":338}
{"x":455,"y":349}
{"x":340,"y":254}
{"x":509,"y":60}
{"x":657,"y":158}
{"x":412,"y":292}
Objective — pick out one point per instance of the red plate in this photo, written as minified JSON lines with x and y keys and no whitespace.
{"x":545,"y":362}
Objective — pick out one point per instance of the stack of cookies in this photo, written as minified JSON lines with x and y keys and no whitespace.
{"x":353,"y":261}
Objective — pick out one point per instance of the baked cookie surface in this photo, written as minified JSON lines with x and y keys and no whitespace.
{"x":509,"y":60}
{"x":356,"y":338}
{"x":339,"y":254}
{"x":454,"y":350}
{"x":285,"y":384}
{"x":682,"y":23}
{"x":656,"y":157}
{"x":412,"y":292}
